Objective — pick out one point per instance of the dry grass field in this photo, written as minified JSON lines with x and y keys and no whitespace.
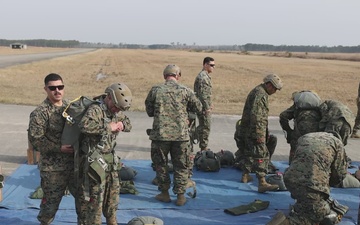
{"x":235,"y":75}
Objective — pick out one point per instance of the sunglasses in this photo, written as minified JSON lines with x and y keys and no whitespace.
{"x":212,"y":65}
{"x":59,"y":87}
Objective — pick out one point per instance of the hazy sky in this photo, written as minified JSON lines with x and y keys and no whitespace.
{"x":210,"y":22}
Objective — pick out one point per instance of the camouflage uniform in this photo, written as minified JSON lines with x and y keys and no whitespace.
{"x":168,"y":104}
{"x":271,"y":142}
{"x":56,"y":168}
{"x":104,"y":197}
{"x":357,"y":120}
{"x":203,"y":90}
{"x":333,"y":112}
{"x":305,"y":121}
{"x":319,"y":161}
{"x":254,"y":123}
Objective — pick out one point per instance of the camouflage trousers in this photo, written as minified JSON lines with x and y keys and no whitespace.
{"x":253,"y":157}
{"x":310,"y":208}
{"x":179,"y":152}
{"x":104,"y":198}
{"x":54,"y":184}
{"x":357,"y":120}
{"x":204,"y":130}
{"x":191,"y":158}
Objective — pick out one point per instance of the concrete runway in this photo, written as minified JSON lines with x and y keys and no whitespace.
{"x":14,"y":121}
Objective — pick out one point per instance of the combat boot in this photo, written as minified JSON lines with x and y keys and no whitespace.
{"x":264,"y":186}
{"x":355,"y":134}
{"x":181,"y":200}
{"x":246,"y":178}
{"x":111,"y":221}
{"x":279,"y":219}
{"x":163,"y":197}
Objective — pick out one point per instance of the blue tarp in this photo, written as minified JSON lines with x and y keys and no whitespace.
{"x":216,"y":191}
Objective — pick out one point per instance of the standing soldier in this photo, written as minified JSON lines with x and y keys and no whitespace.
{"x":252,"y":132}
{"x":168,"y":104}
{"x":203,"y":90}
{"x":356,"y":133}
{"x":100,"y":126}
{"x":56,"y":162}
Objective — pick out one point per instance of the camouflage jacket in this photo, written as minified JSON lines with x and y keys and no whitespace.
{"x":94,"y":125}
{"x":319,"y":161}
{"x":203,"y":89}
{"x":44,"y":133}
{"x":254,"y":120}
{"x":333,"y":110}
{"x":168,"y":104}
{"x":305,"y":121}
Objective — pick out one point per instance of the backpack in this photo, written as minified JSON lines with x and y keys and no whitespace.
{"x":207,"y":161}
{"x":227,"y":158}
{"x":73,"y":114}
{"x":306,"y":100}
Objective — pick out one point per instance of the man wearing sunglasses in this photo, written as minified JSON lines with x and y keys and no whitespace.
{"x":56,"y":162}
{"x":203,"y":90}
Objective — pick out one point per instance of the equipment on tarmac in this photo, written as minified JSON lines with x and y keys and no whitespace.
{"x":252,"y":207}
{"x":207,"y":161}
{"x":127,"y":173}
{"x":227,"y":158}
{"x":145,"y":220}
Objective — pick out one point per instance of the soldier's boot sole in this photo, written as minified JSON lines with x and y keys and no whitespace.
{"x":181,"y":200}
{"x":279,"y":219}
{"x":163,"y":197}
{"x":246,"y":178}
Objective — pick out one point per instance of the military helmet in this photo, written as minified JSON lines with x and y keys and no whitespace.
{"x":121,"y":95}
{"x":275,"y":80}
{"x":172,"y":70}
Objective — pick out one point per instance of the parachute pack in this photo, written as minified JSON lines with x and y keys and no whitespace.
{"x":207,"y":161}
{"x":73,"y":114}
{"x":306,"y":100}
{"x":227,"y":158}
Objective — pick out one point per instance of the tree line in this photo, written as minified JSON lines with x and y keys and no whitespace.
{"x":194,"y":47}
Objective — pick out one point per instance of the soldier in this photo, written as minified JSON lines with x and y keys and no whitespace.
{"x":319,"y":161}
{"x":203,"y":90}
{"x":356,"y":133}
{"x":252,"y":132}
{"x":100,"y":126}
{"x":56,"y":162}
{"x":305,"y":114}
{"x":168,"y":104}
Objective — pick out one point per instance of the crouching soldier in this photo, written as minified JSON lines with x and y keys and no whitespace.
{"x":319,"y":162}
